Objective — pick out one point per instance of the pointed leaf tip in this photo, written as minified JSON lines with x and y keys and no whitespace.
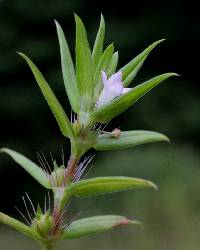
{"x":151,"y":184}
{"x":161,"y":40}
{"x":21,"y":54}
{"x":96,"y":224}
{"x":98,"y":45}
{"x":102,"y":16}
{"x":131,"y":69}
{"x":124,"y":221}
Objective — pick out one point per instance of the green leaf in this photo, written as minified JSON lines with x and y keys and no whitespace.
{"x":96,"y":224}
{"x":130,"y":70}
{"x":51,"y":99}
{"x":128,"y":139}
{"x":19,"y":226}
{"x":104,"y":63}
{"x":68,"y":71}
{"x":113,"y":64}
{"x":98,"y":45}
{"x":133,"y":74}
{"x":118,"y":105}
{"x":83,"y":65}
{"x":34,"y":170}
{"x":104,"y":185}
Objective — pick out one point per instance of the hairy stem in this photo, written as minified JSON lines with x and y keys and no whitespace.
{"x":71,"y":167}
{"x":59,"y":203}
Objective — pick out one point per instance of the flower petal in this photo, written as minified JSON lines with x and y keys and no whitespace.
{"x":116,"y":89}
{"x":117,"y":77}
{"x":113,"y":87}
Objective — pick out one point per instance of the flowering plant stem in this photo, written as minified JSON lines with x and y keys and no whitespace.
{"x":71,"y":166}
{"x":97,"y":93}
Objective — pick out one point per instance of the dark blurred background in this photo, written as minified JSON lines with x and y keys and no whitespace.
{"x":171,"y":217}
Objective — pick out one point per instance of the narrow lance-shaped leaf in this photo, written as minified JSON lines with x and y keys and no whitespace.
{"x":104,"y":63}
{"x":103,"y":185}
{"x":128,"y":139}
{"x":98,"y":45}
{"x":19,"y":226}
{"x":51,"y":99}
{"x":118,"y":105}
{"x":113,"y":64}
{"x":130,"y":70}
{"x":34,"y":170}
{"x":68,"y":71}
{"x":83,"y":65}
{"x":96,"y":224}
{"x":133,"y":74}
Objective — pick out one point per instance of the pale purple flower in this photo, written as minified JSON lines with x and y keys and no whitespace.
{"x":113,"y":87}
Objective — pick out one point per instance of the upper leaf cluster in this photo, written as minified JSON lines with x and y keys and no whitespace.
{"x":83,"y":82}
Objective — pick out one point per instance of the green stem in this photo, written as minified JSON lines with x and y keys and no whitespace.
{"x":61,"y":197}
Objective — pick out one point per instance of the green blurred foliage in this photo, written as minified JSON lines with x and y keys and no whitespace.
{"x":171,"y":215}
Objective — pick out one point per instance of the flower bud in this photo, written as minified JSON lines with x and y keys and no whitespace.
{"x":58,"y":176}
{"x":116,"y":133}
{"x":43,"y":224}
